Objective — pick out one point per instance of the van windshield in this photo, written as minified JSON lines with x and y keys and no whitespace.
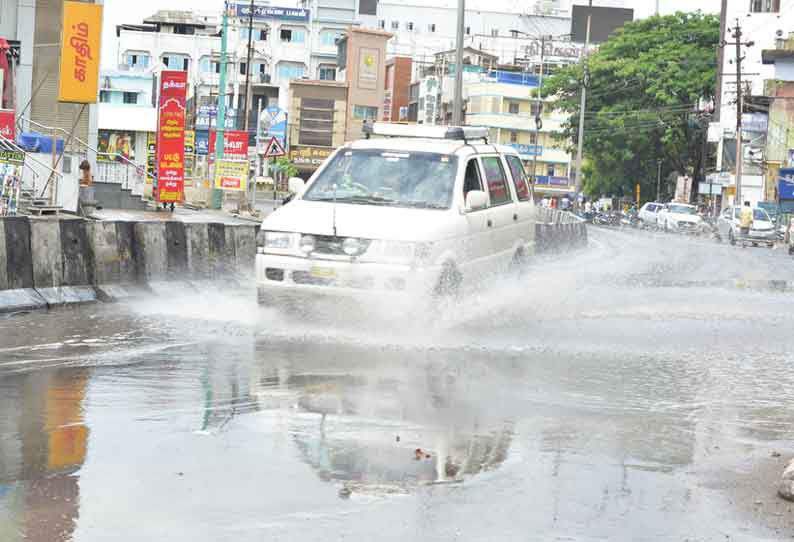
{"x":385,"y":177}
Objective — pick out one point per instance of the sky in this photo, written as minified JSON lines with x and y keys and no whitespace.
{"x":133,"y":12}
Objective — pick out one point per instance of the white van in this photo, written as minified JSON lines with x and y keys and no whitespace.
{"x":425,"y":209}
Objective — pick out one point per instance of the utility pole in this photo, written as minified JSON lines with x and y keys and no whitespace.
{"x":220,"y":123}
{"x":736,"y":34}
{"x":538,"y":121}
{"x":582,"y":105}
{"x":657,"y":8}
{"x":457,"y":103}
{"x":720,"y":61}
{"x":658,"y":179}
{"x":249,"y":54}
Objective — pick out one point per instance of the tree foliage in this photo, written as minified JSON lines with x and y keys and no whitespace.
{"x":643,"y":91}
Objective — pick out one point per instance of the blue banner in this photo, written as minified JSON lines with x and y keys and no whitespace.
{"x":785,"y":183}
{"x":273,"y":12}
{"x":530,"y":150}
{"x":202,"y":142}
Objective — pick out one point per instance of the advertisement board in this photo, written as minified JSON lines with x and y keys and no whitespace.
{"x":151,"y":157}
{"x":235,"y":144}
{"x":82,"y":31}
{"x":7,"y":125}
{"x":274,"y":123}
{"x":190,"y":152}
{"x":785,"y":183}
{"x":273,"y":12}
{"x":114,"y":145}
{"x":308,"y":157}
{"x":171,"y":137}
{"x":231,"y":175}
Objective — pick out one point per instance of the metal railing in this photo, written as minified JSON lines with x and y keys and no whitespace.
{"x":555,"y":216}
{"x":11,"y":145}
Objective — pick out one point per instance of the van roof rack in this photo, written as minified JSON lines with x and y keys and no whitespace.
{"x":425,"y":131}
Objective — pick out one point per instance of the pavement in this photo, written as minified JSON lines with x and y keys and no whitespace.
{"x":635,"y":390}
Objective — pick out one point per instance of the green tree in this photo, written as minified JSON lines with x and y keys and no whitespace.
{"x":286,"y":168}
{"x":644,"y":86}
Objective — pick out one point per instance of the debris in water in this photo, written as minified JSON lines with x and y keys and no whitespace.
{"x":398,"y":438}
{"x":775,"y":454}
{"x":345,"y":492}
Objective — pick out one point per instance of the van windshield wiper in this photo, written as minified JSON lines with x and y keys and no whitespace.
{"x":376,"y":200}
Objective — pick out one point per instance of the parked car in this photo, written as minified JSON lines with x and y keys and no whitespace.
{"x":426,"y":210}
{"x":762,"y":230}
{"x":681,"y":218}
{"x":649,"y":211}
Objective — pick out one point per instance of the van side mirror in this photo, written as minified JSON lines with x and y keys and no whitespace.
{"x":476,"y":199}
{"x":295,"y":185}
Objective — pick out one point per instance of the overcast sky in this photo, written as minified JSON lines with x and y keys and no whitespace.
{"x":134,"y":11}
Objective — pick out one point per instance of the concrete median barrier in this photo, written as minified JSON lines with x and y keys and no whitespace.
{"x":16,"y":267}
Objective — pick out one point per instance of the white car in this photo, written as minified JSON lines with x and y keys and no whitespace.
{"x":681,"y":218}
{"x":425,"y":210}
{"x":649,"y":211}
{"x":762,"y":230}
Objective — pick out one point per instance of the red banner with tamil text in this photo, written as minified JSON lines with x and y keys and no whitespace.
{"x":7,"y":128}
{"x":235,"y":144}
{"x":171,"y":137}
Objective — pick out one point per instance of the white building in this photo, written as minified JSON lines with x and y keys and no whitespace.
{"x":763,"y":22}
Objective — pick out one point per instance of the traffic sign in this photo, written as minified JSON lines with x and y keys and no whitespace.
{"x":274,"y":123}
{"x":274,"y":148}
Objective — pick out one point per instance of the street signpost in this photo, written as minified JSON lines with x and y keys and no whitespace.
{"x":273,"y":149}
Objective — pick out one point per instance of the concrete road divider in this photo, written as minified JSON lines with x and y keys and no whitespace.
{"x":16,"y":267}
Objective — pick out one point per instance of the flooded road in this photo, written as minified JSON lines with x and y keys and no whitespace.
{"x":638,"y":390}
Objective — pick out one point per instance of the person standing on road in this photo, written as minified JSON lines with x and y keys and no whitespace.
{"x":745,"y":221}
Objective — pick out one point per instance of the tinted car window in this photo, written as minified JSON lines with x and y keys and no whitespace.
{"x":495,"y":178}
{"x":519,"y":177}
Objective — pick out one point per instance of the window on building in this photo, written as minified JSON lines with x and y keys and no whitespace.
{"x":468,"y":30}
{"x":512,"y":108}
{"x":216,"y":66}
{"x":395,"y":25}
{"x":137,"y":60}
{"x":290,"y":70}
{"x":368,"y":7}
{"x":764,"y":6}
{"x":327,"y":73}
{"x":328,"y":37}
{"x":519,"y":177}
{"x":316,"y":125}
{"x":130,"y":97}
{"x":535,"y":109}
{"x":494,"y":32}
{"x":104,"y":96}
{"x":496,"y":180}
{"x":431,"y":27}
{"x":244,"y":33}
{"x":513,"y":137}
{"x":533,"y":138}
{"x":382,"y":24}
{"x":409,"y":26}
{"x":362,"y":112}
{"x":263,"y":34}
{"x":243,"y":68}
{"x":292,"y":35}
{"x":550,"y":170}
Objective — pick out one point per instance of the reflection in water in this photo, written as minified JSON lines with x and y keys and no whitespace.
{"x":41,"y":457}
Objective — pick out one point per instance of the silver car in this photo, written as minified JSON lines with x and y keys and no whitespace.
{"x":761,"y":232}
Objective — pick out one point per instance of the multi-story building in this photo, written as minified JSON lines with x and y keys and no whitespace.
{"x":506,"y":104}
{"x":396,"y":89}
{"x":779,"y":152}
{"x":763,"y":22}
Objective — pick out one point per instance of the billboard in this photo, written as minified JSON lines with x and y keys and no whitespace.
{"x":171,"y":137}
{"x":114,"y":145}
{"x":231,"y":175}
{"x":7,"y":125}
{"x":308,"y":157}
{"x":785,"y":183}
{"x":151,"y":157}
{"x":235,"y":144}
{"x":603,"y":22}
{"x":82,"y":31}
{"x":273,"y":12}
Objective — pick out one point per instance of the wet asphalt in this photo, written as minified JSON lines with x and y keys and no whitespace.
{"x":636,"y":390}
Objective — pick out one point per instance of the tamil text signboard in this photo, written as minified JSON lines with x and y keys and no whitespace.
{"x":231,"y":174}
{"x":235,"y":144}
{"x":81,"y":35}
{"x":7,"y":128}
{"x":273,"y":12}
{"x":171,"y":137}
{"x":308,"y":157}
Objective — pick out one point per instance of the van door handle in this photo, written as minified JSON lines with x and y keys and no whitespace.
{"x":515,"y":216}
{"x":489,"y":223}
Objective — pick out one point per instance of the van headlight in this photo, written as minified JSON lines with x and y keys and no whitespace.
{"x":307,"y":244}
{"x":277,"y":240}
{"x":352,"y":246}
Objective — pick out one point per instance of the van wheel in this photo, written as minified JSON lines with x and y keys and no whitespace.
{"x":448,"y":281}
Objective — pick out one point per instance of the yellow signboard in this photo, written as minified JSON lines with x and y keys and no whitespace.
{"x":231,"y":174}
{"x":82,"y":32}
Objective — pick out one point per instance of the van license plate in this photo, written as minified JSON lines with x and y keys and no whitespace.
{"x":323,"y":273}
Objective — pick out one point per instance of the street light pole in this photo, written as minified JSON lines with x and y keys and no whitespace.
{"x":658,"y":179}
{"x":457,"y":103}
{"x":582,"y":105}
{"x":539,"y":102}
{"x":220,"y":123}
